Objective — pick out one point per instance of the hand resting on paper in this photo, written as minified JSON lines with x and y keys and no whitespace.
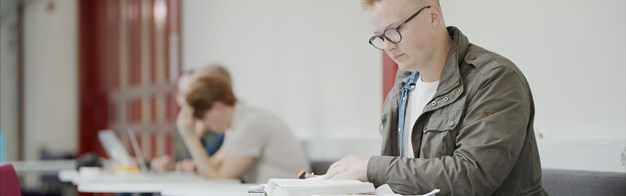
{"x":349,"y":168}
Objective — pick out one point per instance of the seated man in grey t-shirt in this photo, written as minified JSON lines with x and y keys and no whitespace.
{"x":210,"y":141}
{"x":257,"y":144}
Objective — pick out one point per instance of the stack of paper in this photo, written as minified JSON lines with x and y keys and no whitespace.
{"x":280,"y":187}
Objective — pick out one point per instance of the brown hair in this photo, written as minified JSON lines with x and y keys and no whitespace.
{"x":214,"y":68}
{"x":367,"y":3}
{"x":208,"y":89}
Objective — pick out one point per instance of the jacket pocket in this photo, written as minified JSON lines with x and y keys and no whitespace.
{"x":389,"y":106}
{"x":439,"y":137}
{"x":383,"y":123}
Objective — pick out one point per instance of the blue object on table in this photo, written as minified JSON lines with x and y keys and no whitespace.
{"x":1,"y":146}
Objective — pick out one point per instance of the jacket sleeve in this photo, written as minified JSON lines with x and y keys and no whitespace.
{"x":487,"y":145}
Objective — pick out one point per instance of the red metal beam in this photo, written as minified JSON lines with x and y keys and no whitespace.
{"x":389,"y":74}
{"x":93,"y":105}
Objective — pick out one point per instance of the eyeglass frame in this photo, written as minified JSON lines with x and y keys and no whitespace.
{"x":383,"y":37}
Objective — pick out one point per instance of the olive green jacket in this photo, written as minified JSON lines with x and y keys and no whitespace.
{"x":475,"y":137}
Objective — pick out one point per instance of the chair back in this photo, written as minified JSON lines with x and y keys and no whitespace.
{"x":8,"y":181}
{"x":574,"y":183}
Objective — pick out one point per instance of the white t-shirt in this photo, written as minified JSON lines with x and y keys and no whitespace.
{"x":418,"y":98}
{"x":259,"y":134}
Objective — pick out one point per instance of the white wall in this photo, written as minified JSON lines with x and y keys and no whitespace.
{"x":583,"y":154}
{"x":51,"y":85}
{"x":571,"y":51}
{"x":8,"y":79}
{"x":309,"y":61}
{"x":306,"y":61}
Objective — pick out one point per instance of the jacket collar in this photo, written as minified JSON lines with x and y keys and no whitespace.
{"x":450,"y":75}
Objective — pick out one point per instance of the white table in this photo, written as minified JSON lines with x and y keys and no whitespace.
{"x":139,"y":182}
{"x":156,"y":187}
{"x":41,"y":166}
{"x":68,"y":176}
{"x":229,"y":190}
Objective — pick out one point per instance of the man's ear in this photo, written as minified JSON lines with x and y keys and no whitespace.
{"x":218,"y":105}
{"x":436,"y":16}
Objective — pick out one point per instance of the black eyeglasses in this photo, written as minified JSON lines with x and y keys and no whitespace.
{"x":392,"y":34}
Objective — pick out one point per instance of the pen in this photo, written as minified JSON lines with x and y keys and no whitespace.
{"x":301,"y":174}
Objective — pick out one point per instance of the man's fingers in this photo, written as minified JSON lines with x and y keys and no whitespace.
{"x":156,"y":164}
{"x":179,"y":166}
{"x":336,"y":177}
{"x":335,"y":165}
{"x":331,"y":174}
{"x":185,"y":166}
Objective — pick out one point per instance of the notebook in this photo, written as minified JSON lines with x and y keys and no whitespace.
{"x":317,"y":186}
{"x":135,"y":144}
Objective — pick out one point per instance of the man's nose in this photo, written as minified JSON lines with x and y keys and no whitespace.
{"x":390,"y":45}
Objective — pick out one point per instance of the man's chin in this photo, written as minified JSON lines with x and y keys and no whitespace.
{"x":405,"y":67}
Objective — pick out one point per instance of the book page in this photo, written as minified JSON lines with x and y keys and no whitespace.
{"x":277,"y":187}
{"x":277,"y":182}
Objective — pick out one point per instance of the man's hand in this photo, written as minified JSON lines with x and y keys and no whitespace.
{"x":186,"y":123}
{"x":186,"y":166}
{"x":162,"y":163}
{"x":349,"y":168}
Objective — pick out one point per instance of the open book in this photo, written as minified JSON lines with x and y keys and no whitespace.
{"x":317,"y":186}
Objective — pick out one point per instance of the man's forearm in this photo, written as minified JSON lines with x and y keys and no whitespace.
{"x":206,"y":167}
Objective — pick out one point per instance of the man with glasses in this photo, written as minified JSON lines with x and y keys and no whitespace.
{"x":459,"y":117}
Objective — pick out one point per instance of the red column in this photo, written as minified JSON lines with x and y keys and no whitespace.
{"x":389,"y":74}
{"x":93,"y":107}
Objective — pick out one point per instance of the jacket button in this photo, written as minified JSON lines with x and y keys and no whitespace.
{"x":458,"y":90}
{"x":445,"y":99}
{"x":450,"y":123}
{"x":434,"y":103}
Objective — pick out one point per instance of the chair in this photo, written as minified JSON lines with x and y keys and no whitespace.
{"x":573,"y":183}
{"x":9,"y":181}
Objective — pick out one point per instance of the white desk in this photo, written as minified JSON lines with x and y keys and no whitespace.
{"x":230,"y":190}
{"x":157,"y":187}
{"x":42,"y":166}
{"x":68,"y":176}
{"x":139,"y":182}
